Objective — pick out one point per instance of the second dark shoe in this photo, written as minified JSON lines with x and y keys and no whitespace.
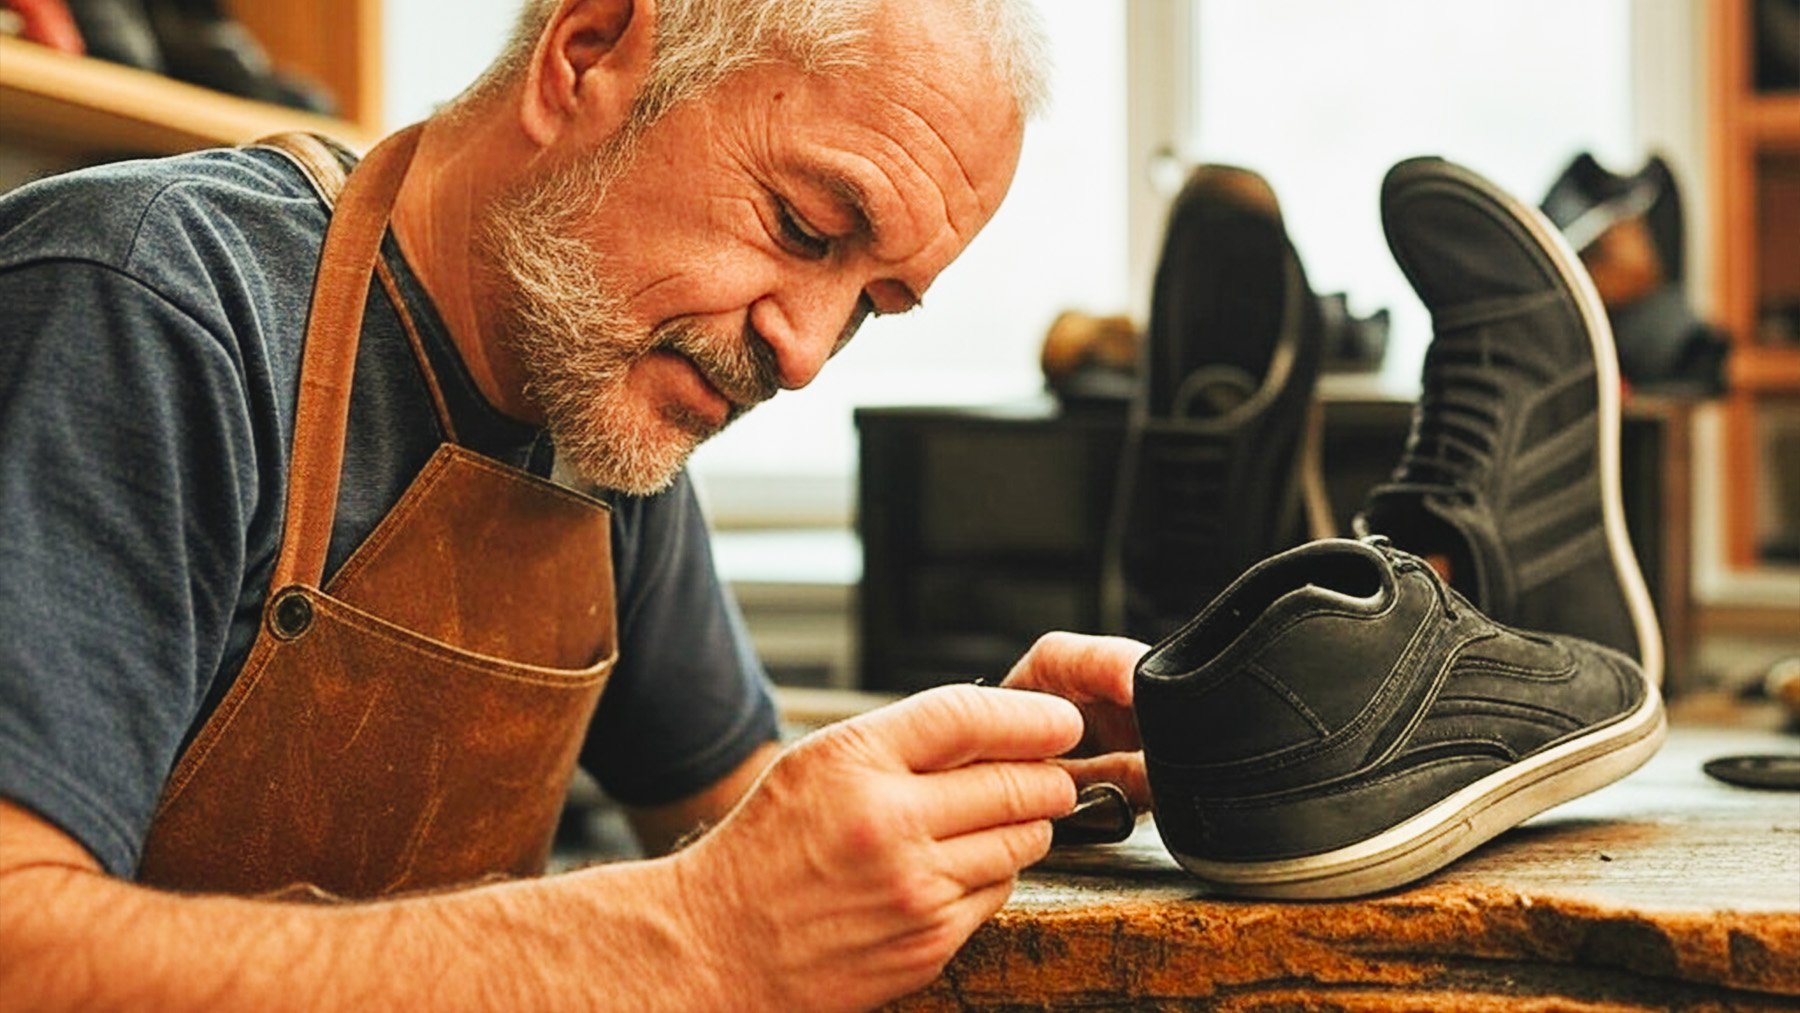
{"x":119,"y":31}
{"x":1340,"y":722}
{"x":1630,"y":235}
{"x":1510,"y":476}
{"x":202,"y":45}
{"x":1209,"y":481}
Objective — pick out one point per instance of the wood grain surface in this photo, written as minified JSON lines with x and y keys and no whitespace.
{"x":1667,"y":890}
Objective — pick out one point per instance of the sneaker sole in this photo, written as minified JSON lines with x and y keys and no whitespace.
{"x":1454,"y":826}
{"x":1606,"y":359}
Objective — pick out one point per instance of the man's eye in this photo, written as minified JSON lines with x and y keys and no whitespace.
{"x":797,"y":237}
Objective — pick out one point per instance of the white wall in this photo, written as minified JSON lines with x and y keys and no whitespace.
{"x":432,"y":49}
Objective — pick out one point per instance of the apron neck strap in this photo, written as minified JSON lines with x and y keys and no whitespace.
{"x":319,"y":161}
{"x":315,"y":158}
{"x":352,"y":249}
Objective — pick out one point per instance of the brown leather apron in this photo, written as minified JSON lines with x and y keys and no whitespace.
{"x":414,"y":723}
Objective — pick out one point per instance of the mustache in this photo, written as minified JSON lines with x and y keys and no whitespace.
{"x":745,"y":371}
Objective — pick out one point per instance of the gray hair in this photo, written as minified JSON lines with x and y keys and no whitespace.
{"x":701,"y":43}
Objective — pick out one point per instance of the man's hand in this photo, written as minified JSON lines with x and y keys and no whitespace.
{"x":872,"y":849}
{"x":1093,"y":673}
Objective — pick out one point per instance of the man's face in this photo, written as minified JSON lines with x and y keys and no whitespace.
{"x":654,"y":294}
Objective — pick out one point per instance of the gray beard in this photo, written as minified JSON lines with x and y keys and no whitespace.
{"x":563,"y":317}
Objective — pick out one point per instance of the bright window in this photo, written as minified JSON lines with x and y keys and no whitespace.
{"x":1322,"y":97}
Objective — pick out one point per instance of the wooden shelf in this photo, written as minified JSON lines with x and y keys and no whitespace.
{"x":1754,"y":141}
{"x":1766,"y":370}
{"x":1774,"y":121}
{"x":79,"y":106}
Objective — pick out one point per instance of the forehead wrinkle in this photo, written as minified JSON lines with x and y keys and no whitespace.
{"x":955,"y":156}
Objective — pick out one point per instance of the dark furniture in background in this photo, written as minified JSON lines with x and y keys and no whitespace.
{"x":982,"y":528}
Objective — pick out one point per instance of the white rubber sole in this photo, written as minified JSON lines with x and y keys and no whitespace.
{"x":1455,"y":826}
{"x":1606,"y":360}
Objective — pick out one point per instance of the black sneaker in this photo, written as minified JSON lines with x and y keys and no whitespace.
{"x":1209,"y":480}
{"x":1340,"y":722}
{"x":1510,"y":477}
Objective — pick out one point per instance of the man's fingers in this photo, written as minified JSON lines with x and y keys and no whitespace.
{"x":995,"y":855}
{"x":983,"y":795}
{"x":1080,"y":668}
{"x":967,"y":914}
{"x":954,"y":725}
{"x":1123,"y":769}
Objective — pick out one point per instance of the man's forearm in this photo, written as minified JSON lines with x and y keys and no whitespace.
{"x":609,"y":936}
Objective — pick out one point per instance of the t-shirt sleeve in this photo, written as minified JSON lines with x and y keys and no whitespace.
{"x":124,"y":449}
{"x":688,"y":700}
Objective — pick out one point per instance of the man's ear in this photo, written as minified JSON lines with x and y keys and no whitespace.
{"x":585,"y":74}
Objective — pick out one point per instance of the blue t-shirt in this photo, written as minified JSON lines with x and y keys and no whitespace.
{"x":151,"y":321}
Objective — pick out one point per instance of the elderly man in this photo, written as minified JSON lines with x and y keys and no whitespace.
{"x":288,"y":610}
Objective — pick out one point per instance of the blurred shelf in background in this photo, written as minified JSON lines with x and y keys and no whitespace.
{"x":91,"y":109}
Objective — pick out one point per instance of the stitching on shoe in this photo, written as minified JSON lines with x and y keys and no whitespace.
{"x":1351,"y":782}
{"x":1480,"y":706}
{"x":1280,"y":688}
{"x":1427,"y":636}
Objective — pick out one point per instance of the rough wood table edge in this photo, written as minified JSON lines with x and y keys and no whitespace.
{"x":1485,"y":948}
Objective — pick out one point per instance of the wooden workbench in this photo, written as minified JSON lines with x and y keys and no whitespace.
{"x":1666,"y":890}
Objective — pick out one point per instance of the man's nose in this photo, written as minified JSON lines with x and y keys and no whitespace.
{"x":806,"y":329}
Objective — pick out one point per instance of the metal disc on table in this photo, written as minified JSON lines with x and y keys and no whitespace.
{"x":1773,"y":772}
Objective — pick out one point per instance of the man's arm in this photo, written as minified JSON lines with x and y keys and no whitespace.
{"x":74,"y":938}
{"x":862,"y":860}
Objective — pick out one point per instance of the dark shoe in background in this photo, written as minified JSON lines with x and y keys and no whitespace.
{"x":1630,"y":234}
{"x":1208,"y":483}
{"x":1510,"y":476}
{"x":1353,"y":344}
{"x":1340,"y":722}
{"x":202,"y":45}
{"x":119,"y":31}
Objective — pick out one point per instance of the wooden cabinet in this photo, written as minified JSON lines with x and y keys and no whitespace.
{"x":89,"y":109}
{"x":1755,"y":164}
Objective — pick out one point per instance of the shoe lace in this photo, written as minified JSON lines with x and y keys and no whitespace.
{"x":1405,"y":562}
{"x":1456,"y":427}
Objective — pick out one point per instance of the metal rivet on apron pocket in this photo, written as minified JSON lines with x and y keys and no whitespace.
{"x":292,"y":614}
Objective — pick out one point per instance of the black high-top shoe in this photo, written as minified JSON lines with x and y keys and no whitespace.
{"x":1340,"y":722}
{"x":1209,"y":481}
{"x":1510,"y":477}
